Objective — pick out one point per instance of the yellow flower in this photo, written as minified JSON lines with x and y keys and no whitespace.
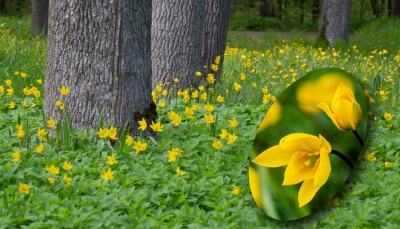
{"x":231,"y":138}
{"x":333,"y":202}
{"x":254,"y":85}
{"x":156,"y":127}
{"x":195,"y":94}
{"x":16,"y":156}
{"x":264,"y":90}
{"x":112,"y":133}
{"x":189,"y":112}
{"x":24,"y":188}
{"x":306,"y":157}
{"x":214,"y":67}
{"x":1,"y":89}
{"x":369,"y":156}
{"x":210,"y":78}
{"x":220,"y":99}
{"x":39,"y":81}
{"x":236,"y":190}
{"x":20,"y":133}
{"x":19,"y":127}
{"x":64,"y":90}
{"x":67,"y":179}
{"x":209,"y":118}
{"x":175,"y":118}
{"x":196,"y":107}
{"x":27,"y":91}
{"x":172,"y":154}
{"x":142,"y":124}
{"x":109,"y":175}
{"x":164,"y":92}
{"x":177,"y":151}
{"x":242,"y":76}
{"x":176,"y":80}
{"x":39,"y":148}
{"x":204,"y":96}
{"x":24,"y":104}
{"x":161,"y":104}
{"x":388,"y":116}
{"x":111,"y":159}
{"x":11,"y":105}
{"x":388,"y":164}
{"x":10,"y":91}
{"x":346,"y":113}
{"x":198,"y":74}
{"x":53,"y":170}
{"x":60,"y":104}
{"x":223,"y":134}
{"x":201,"y":88}
{"x":16,"y":73}
{"x":66,"y":166}
{"x":37,"y":95}
{"x":23,"y":75}
{"x":102,"y":133}
{"x":139,"y":146}
{"x":8,"y":82}
{"x":51,"y":180}
{"x":51,"y":123}
{"x":128,"y":140}
{"x":237,"y":86}
{"x":233,"y":122}
{"x":217,"y":59}
{"x":217,"y":144}
{"x":209,"y":107}
{"x":42,"y":134}
{"x":180,"y":172}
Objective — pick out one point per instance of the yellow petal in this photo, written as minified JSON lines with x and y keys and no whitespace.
{"x":328,"y":112}
{"x":300,"y":142}
{"x":323,"y":171}
{"x":357,"y":114}
{"x":275,"y":156}
{"x":307,"y":192}
{"x":254,"y":180}
{"x":344,"y":114}
{"x":325,"y":145}
{"x":293,"y":174}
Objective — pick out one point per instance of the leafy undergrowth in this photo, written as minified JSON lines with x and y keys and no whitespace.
{"x":195,"y":175}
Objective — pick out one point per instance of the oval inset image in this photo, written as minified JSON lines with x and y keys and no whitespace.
{"x":307,"y":144}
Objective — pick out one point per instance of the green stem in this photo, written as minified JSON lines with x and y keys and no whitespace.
{"x":358,"y":137}
{"x":344,"y":158}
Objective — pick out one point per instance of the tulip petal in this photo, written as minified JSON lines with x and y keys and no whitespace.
{"x":293,"y":174}
{"x":344,"y":114}
{"x":325,"y":145}
{"x":328,"y":112}
{"x":273,"y":157}
{"x":300,"y":142}
{"x":357,"y":114}
{"x":307,"y":192}
{"x":254,"y":180}
{"x":323,"y":171}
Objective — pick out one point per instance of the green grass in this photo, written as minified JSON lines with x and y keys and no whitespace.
{"x":147,"y":191}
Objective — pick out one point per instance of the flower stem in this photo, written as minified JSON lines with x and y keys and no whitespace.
{"x":344,"y":158}
{"x":358,"y":137}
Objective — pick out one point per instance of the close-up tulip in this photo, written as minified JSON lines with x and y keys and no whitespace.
{"x":345,"y":112}
{"x":306,"y":157}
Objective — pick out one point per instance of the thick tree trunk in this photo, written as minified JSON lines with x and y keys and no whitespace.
{"x":40,"y":13}
{"x":301,"y":6}
{"x":215,"y":32}
{"x":101,"y":51}
{"x":334,"y":23}
{"x":176,"y":42}
{"x":375,"y":8}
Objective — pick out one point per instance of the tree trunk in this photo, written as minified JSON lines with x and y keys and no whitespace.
{"x":395,"y":8}
{"x":40,"y":13}
{"x":301,"y":6}
{"x":279,"y":9}
{"x":315,"y":10}
{"x":215,"y":32}
{"x":334,"y":23}
{"x":176,"y":42}
{"x":101,"y":50}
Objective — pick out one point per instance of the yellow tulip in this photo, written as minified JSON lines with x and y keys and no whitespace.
{"x":346,"y":113}
{"x":306,"y":157}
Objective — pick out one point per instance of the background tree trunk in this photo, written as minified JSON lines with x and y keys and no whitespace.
{"x":334,"y":23}
{"x":101,"y":51}
{"x":176,"y":42}
{"x":215,"y":33}
{"x":315,"y":10}
{"x":40,"y":13}
{"x":395,"y":9}
{"x":301,"y":6}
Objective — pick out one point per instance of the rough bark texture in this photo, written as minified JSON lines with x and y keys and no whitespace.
{"x":176,"y":42}
{"x":215,"y":33}
{"x":40,"y":13}
{"x":101,"y":51}
{"x":334,"y":23}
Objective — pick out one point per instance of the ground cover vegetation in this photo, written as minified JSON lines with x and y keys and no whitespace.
{"x":195,"y":174}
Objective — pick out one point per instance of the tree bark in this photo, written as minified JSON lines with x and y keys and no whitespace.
{"x":301,"y":6}
{"x":101,"y":50}
{"x":215,"y":33}
{"x":375,"y":8}
{"x":176,"y":42}
{"x":334,"y":23}
{"x":395,"y":8}
{"x":40,"y":13}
